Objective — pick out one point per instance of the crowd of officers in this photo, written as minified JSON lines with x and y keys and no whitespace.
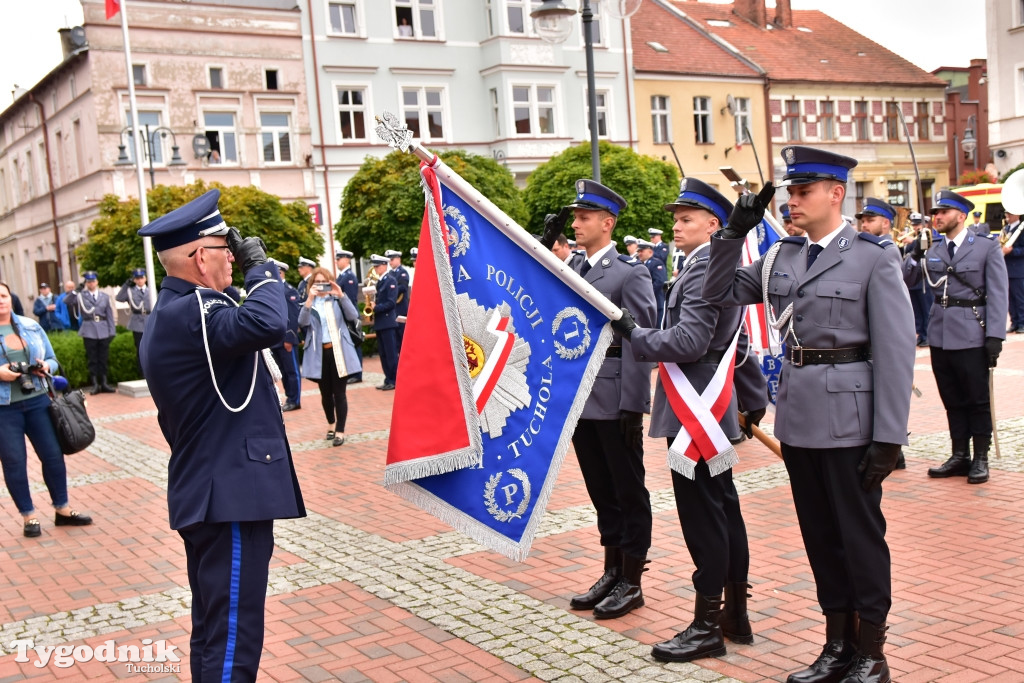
{"x":851,"y":305}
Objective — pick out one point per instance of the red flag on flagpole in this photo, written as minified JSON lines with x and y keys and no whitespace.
{"x":113,"y":7}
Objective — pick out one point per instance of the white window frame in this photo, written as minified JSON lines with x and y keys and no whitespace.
{"x":145,"y":74}
{"x":741,"y":117}
{"x":605,"y":109}
{"x":160,"y":144}
{"x":424,"y":109}
{"x":831,"y":118}
{"x":598,"y":25}
{"x":704,"y":112}
{"x":1018,"y":87}
{"x":525,"y":6}
{"x":788,"y":117}
{"x":534,"y":107}
{"x":366,"y":107}
{"x":359,"y":30}
{"x":496,"y":112}
{"x":276,"y":131}
{"x":661,"y":114}
{"x":417,"y":7}
{"x":223,"y":76}
{"x":222,"y":130}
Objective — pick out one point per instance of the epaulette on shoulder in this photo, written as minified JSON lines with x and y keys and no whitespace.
{"x":990,"y":235}
{"x":626,"y":258}
{"x":875,"y":239}
{"x":794,"y":239}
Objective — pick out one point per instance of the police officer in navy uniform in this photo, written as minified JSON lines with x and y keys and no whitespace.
{"x":350,"y":286}
{"x":305,"y":267}
{"x":921,"y":297}
{"x":660,"y":248}
{"x":401,"y":276}
{"x":96,"y":330}
{"x":695,"y":336}
{"x":135,"y":293}
{"x":609,"y":435}
{"x":967,"y":274}
{"x":230,"y":474}
{"x":1013,"y":254}
{"x":632,"y":246}
{"x":844,"y":393}
{"x":659,"y":275}
{"x":384,"y":309}
{"x":286,"y":353}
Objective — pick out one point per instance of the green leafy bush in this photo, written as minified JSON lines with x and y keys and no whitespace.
{"x":70,"y":351}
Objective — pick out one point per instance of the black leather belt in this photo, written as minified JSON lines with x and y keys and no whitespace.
{"x":798,"y":355}
{"x":98,"y":318}
{"x":712,"y":357}
{"x":947,"y":301}
{"x":613,"y":352}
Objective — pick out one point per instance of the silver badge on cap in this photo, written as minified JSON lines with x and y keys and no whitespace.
{"x":581,"y":186}
{"x":789,"y":155}
{"x":682,"y":184}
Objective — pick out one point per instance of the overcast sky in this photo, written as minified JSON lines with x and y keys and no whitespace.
{"x":929,"y":33}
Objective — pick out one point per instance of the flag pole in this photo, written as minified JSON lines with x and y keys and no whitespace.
{"x":147,"y":244}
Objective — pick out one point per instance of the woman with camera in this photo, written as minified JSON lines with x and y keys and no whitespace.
{"x":25,"y":357}
{"x":326,"y":314}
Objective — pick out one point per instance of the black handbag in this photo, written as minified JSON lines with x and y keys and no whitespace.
{"x":356,"y":332}
{"x":70,"y":420}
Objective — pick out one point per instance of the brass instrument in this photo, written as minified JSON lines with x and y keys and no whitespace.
{"x":1013,"y":202}
{"x":369,"y":300}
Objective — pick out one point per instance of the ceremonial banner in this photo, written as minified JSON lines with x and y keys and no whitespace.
{"x":765,"y":345}
{"x":514,"y":340}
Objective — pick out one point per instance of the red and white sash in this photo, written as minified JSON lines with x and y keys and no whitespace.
{"x":702,"y":435}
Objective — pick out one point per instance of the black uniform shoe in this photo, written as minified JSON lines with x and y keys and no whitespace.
{"x":386,"y":387}
{"x":106,"y":388}
{"x":702,"y":638}
{"x":958,"y":465}
{"x":603,"y":586}
{"x":870,"y":665}
{"x":978,"y":473}
{"x":837,"y":656}
{"x":734,"y":620}
{"x":288,"y":407}
{"x":626,"y":596}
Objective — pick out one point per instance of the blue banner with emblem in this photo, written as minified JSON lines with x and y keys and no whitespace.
{"x":534,"y":335}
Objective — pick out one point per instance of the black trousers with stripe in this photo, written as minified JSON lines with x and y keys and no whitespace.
{"x":228,"y":568}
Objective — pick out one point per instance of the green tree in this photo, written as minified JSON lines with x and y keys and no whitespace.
{"x":647,"y":184}
{"x":114,"y":249}
{"x":1005,"y":176}
{"x":382,"y":205}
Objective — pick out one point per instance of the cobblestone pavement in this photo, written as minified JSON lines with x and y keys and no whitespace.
{"x":368,"y":588}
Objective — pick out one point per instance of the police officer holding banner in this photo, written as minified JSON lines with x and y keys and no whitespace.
{"x":967,"y":274}
{"x":609,"y":435}
{"x":695,"y":338}
{"x":844,"y":393}
{"x":230,"y":474}
{"x":134,"y":293}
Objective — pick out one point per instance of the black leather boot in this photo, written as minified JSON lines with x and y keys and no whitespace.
{"x":106,"y":388}
{"x":838,"y":654}
{"x":626,"y":596}
{"x":604,"y":585}
{"x":870,"y":665}
{"x":702,"y":638}
{"x":979,"y":466}
{"x":733,"y":619}
{"x":95,"y":388}
{"x":958,"y":465}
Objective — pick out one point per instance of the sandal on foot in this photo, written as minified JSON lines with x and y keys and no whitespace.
{"x":32,"y":528}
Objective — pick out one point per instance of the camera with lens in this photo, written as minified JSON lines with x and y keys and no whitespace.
{"x":25,"y":371}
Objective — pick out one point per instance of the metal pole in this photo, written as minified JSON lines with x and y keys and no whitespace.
{"x":588,"y":42}
{"x":753,"y":147}
{"x":913,"y":158}
{"x":149,"y":153}
{"x":956,"y":159}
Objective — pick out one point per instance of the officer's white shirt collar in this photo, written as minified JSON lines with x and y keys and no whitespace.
{"x":593,"y":260}
{"x":568,"y":258}
{"x":827,"y":239}
{"x":693,"y":254}
{"x":959,"y":239}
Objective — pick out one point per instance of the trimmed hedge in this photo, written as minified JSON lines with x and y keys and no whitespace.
{"x":70,"y":351}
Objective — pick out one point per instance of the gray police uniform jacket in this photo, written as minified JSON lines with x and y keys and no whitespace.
{"x":97,"y":315}
{"x":853,"y":296}
{"x":138,"y":305}
{"x":979,"y":261}
{"x":622,"y":383}
{"x":692,"y":328}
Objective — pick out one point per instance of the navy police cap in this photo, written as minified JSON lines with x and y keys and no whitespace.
{"x":809,"y":165}
{"x":199,"y":218}
{"x":876,"y":207}
{"x":784,"y":210}
{"x":89,"y":275}
{"x":947,"y":199}
{"x":698,"y":194}
{"x":138,"y":272}
{"x":594,"y":196}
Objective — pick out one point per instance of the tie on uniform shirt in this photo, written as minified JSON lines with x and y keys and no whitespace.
{"x":585,"y":269}
{"x":812,"y":254}
{"x":950,"y":247}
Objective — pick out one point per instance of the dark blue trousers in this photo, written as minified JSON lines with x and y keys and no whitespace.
{"x":387,"y":346}
{"x":1017,"y":302}
{"x":228,"y":567}
{"x":288,"y":363}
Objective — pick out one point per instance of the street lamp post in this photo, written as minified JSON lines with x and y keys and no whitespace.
{"x":149,"y":150}
{"x":552,"y":21}
{"x":970,"y":143}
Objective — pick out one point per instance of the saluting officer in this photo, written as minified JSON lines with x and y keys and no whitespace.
{"x":660,"y":248}
{"x":659,"y":275}
{"x":967,"y":273}
{"x":384,"y":324}
{"x":136,"y":295}
{"x":401,"y":276}
{"x":844,"y":393}
{"x":96,"y":330}
{"x":286,"y":353}
{"x":230,"y":474}
{"x":350,"y":286}
{"x":696,"y":336}
{"x":609,"y":436}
